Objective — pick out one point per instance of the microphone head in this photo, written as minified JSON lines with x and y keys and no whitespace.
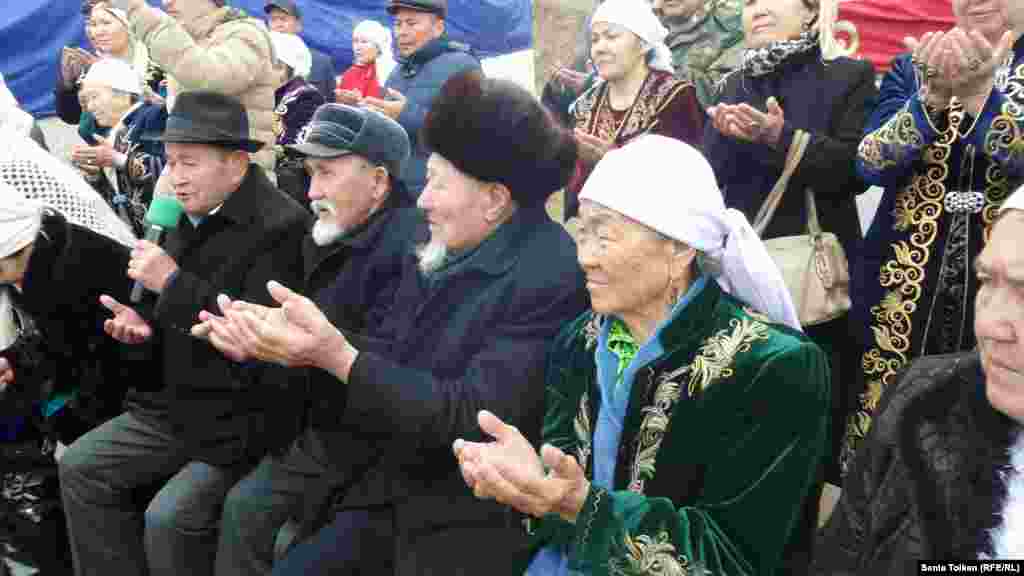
{"x":164,"y":211}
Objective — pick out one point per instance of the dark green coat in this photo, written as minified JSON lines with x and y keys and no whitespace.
{"x":722,"y":443}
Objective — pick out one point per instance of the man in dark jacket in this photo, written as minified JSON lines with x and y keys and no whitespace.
{"x":285,"y":16}
{"x":208,"y":419}
{"x":475,"y":311}
{"x":940,"y":475}
{"x":353,"y":261}
{"x":427,"y":58}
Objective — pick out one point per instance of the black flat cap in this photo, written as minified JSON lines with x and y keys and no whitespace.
{"x":338,"y":129}
{"x":288,"y":6}
{"x":439,"y":7}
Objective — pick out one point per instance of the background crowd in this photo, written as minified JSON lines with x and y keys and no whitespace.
{"x":361,"y":278}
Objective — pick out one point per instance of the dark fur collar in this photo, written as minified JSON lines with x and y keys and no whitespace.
{"x":955,"y":447}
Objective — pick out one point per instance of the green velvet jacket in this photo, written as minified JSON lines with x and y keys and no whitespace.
{"x":722,"y":443}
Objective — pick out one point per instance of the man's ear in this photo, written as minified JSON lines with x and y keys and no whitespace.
{"x":499,"y":198}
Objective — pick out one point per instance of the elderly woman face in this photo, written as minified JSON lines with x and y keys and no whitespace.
{"x":766,"y":21}
{"x":616,"y":51}
{"x":628,"y":266}
{"x":365,"y":50}
{"x":108,"y":34}
{"x":999,"y":315}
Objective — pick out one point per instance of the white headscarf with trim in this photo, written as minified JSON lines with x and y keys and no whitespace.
{"x":630,"y":180}
{"x":20,"y":219}
{"x":638,"y":17}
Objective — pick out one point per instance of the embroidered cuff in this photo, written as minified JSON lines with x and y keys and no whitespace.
{"x":593,"y":524}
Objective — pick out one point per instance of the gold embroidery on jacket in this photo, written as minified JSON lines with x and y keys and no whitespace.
{"x":1005,"y":138}
{"x":886,"y":146}
{"x":594,"y":114}
{"x":650,"y":556}
{"x":714,"y":361}
{"x":584,"y":432}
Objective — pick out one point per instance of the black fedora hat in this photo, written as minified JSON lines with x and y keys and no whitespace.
{"x":204,"y":117}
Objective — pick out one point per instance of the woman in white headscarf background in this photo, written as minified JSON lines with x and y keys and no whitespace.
{"x":374,"y":61}
{"x":791,"y":80}
{"x":638,"y":92}
{"x":53,"y":271}
{"x":108,"y":30}
{"x":686,"y":414}
{"x":295,"y":101}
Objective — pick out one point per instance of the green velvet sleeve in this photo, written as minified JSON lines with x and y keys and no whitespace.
{"x":753,"y":492}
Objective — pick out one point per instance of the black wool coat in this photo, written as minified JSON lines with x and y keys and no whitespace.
{"x":831,"y":100}
{"x":927,"y":481}
{"x":474,"y":336}
{"x":70,"y":267}
{"x":224,"y":412}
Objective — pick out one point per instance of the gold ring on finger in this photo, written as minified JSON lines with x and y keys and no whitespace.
{"x":974,"y":64}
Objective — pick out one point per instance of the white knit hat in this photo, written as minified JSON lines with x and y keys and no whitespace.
{"x":291,"y":50}
{"x":638,"y":17}
{"x":20,"y":219}
{"x":114,"y":73}
{"x":630,"y":180}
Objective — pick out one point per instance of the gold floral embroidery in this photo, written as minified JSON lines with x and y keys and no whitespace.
{"x":1004,"y":139}
{"x":714,"y":360}
{"x":584,"y":432}
{"x":594,"y":115}
{"x":887,"y":146}
{"x":919,"y":208}
{"x":650,"y":556}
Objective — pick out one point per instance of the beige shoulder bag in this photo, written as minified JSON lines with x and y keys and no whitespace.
{"x":813,"y":265}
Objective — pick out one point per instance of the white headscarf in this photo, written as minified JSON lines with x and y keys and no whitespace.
{"x":381,"y":37}
{"x":12,"y":117}
{"x":20,"y":219}
{"x":1014,"y":202}
{"x":630,"y":181}
{"x":291,"y":50}
{"x":638,"y":17}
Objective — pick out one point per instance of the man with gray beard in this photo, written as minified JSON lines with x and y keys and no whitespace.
{"x":471,"y":322}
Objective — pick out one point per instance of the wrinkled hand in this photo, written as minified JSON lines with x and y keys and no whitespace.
{"x":151,"y":266}
{"x":295,"y":334}
{"x":929,"y":57}
{"x":224,"y":334}
{"x":347,"y":97}
{"x":744,"y":122}
{"x":84,"y":158}
{"x":6,"y":374}
{"x":74,"y":62}
{"x":591,"y":148}
{"x":567,"y":78}
{"x":126,"y":326}
{"x":102,"y":153}
{"x":391,"y":108}
{"x":973,"y":61}
{"x":509,"y":471}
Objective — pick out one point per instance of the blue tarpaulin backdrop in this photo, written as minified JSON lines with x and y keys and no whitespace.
{"x":32,"y":32}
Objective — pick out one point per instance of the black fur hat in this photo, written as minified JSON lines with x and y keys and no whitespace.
{"x":496,"y":131}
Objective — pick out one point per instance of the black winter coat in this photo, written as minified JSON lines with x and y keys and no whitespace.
{"x":926,"y":483}
{"x":474,"y":336}
{"x":224,"y":412}
{"x":831,"y":100}
{"x":70,"y":267}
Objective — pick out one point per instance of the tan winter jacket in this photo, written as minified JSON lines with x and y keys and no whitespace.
{"x":225,"y":51}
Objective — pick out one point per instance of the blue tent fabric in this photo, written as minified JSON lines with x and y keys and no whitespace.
{"x":32,"y":33}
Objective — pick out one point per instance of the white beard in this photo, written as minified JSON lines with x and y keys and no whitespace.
{"x":431,"y":256}
{"x":326,"y":233}
{"x":1008,"y":538}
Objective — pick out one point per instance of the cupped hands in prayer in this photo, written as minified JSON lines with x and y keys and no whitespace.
{"x":509,"y":470}
{"x":744,"y":122}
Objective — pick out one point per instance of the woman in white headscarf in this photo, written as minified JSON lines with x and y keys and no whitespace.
{"x":110,"y":33}
{"x":686,"y":415}
{"x":53,"y":271}
{"x":637,"y":94}
{"x":374,"y":61}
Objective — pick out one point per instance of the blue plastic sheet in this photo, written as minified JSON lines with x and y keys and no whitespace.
{"x":32,"y":33}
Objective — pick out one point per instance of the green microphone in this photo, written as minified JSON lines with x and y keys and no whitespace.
{"x":164,"y":214}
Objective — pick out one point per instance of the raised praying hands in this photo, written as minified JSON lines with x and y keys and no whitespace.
{"x":509,"y":470}
{"x":957,"y":64}
{"x":392,"y":107}
{"x":591,"y":148}
{"x":744,"y":122}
